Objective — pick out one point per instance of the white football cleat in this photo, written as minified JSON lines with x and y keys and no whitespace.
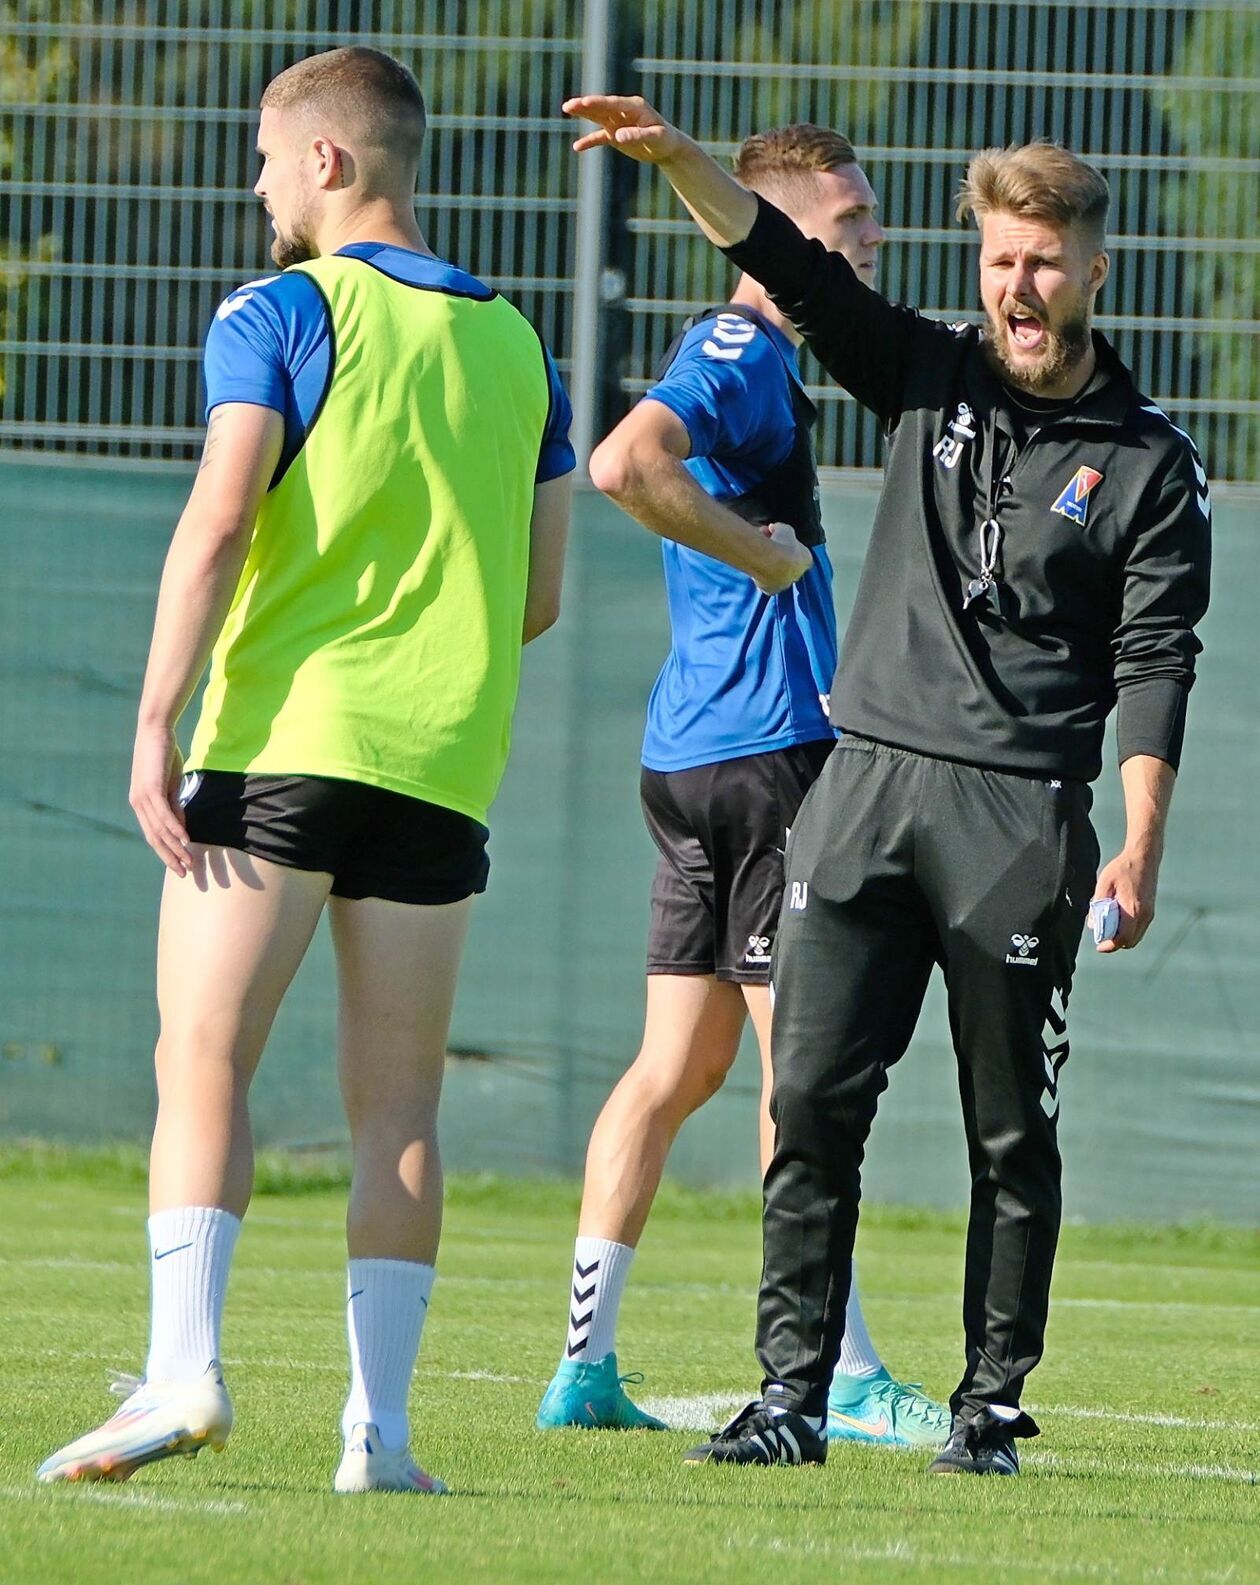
{"x":160,"y":1419}
{"x":367,"y":1466}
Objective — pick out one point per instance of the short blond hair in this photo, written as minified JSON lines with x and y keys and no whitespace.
{"x":1039,"y":181}
{"x":366,"y":92}
{"x":781,"y":164}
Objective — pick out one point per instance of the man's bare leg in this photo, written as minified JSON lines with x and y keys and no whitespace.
{"x":230,"y":937}
{"x":690,"y":1040}
{"x":690,"y":1037}
{"x":232,"y":933}
{"x":760,"y":1008}
{"x":397,"y":966}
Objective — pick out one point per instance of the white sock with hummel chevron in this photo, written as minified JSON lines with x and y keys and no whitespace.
{"x":600,"y":1269}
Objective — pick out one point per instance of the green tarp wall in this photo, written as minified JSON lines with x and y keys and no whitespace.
{"x":1161,"y":1111}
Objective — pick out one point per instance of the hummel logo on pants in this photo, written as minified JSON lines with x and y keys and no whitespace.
{"x":912,"y":862}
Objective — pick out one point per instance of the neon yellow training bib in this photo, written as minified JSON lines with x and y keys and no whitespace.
{"x":375,"y":633}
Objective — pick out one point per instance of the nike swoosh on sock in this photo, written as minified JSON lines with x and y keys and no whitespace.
{"x":173,"y":1250}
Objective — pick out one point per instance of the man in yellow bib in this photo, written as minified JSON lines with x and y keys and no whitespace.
{"x":377,"y":525}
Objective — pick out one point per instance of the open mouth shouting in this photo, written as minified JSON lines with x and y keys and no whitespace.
{"x":1026,"y":331}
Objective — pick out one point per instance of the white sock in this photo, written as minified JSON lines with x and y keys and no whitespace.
{"x":191,"y":1249}
{"x":386,"y":1303}
{"x":858,"y":1355}
{"x":600,"y":1269}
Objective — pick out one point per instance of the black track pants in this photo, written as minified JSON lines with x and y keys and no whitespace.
{"x":897,"y":862}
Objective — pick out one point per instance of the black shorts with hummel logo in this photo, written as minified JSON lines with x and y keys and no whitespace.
{"x":721,"y":830}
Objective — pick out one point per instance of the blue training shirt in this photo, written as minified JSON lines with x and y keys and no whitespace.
{"x":747,"y":672}
{"x":270,"y":343}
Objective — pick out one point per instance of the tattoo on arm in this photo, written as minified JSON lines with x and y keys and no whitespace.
{"x":212,"y":437}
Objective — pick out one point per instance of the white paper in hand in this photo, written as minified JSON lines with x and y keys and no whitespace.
{"x":1104,"y":919}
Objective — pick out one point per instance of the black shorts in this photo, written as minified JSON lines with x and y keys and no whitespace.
{"x":721,"y":830}
{"x":374,"y":843}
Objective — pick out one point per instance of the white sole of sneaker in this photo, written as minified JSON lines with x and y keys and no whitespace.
{"x":120,"y":1466}
{"x":347,"y":1488}
{"x":355,"y":1476}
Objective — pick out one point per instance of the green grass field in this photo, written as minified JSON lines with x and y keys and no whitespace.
{"x":1148,"y":1467}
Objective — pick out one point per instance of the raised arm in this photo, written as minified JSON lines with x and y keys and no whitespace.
{"x":862,"y":340}
{"x":722,"y":209}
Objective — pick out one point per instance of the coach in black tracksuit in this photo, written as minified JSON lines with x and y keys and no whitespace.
{"x":1039,"y":554}
{"x":952,"y":823}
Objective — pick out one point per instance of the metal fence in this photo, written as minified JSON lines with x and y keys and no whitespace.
{"x":126,"y":163}
{"x":126,"y":168}
{"x":1164,"y":99}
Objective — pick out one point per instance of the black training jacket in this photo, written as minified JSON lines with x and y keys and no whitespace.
{"x":1102,"y":571}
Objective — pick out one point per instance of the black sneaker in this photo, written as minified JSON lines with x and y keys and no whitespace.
{"x":984,"y":1446}
{"x":760,"y":1435}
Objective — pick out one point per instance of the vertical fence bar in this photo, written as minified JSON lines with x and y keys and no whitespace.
{"x":585,"y":379}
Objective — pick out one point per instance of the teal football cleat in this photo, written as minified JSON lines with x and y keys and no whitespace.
{"x":887,"y":1413}
{"x":590,"y":1393}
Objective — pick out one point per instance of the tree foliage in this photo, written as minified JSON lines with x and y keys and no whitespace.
{"x":1221,"y":200}
{"x":32,"y":71}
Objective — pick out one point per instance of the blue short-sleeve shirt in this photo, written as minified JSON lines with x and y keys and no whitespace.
{"x":270,"y":344}
{"x":747,"y":673}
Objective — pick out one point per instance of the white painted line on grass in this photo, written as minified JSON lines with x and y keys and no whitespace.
{"x":690,"y":1412}
{"x":1174,"y":1421}
{"x":1247,"y":1477}
{"x":704,"y":1411}
{"x":1183,"y":1307}
{"x":669,"y":1289}
{"x":1152,"y":1267}
{"x":1071,"y":1463}
{"x":471,"y":1375}
{"x":219,"y":1507}
{"x":91,"y":1356}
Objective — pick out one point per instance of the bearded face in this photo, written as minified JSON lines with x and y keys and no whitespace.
{"x":1033,"y":354}
{"x":293,"y":242}
{"x":285,"y":187}
{"x":1038,"y":281}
